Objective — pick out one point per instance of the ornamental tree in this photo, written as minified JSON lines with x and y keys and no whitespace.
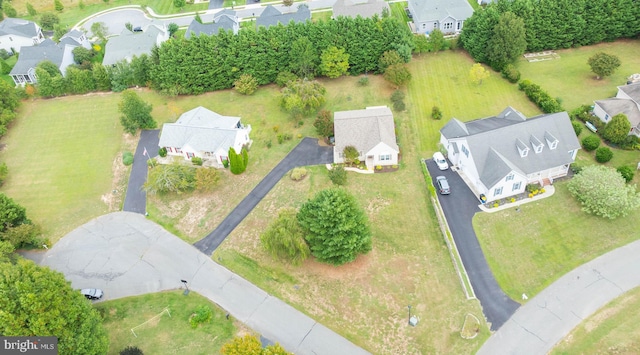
{"x":135,"y":112}
{"x":398,"y":75}
{"x":38,"y":301}
{"x":324,"y":123}
{"x":617,"y":130}
{"x":603,"y":64}
{"x":335,"y":226}
{"x":11,"y":213}
{"x":602,"y":191}
{"x":334,"y":62}
{"x":478,"y":73}
{"x":302,"y":97}
{"x":284,"y":238}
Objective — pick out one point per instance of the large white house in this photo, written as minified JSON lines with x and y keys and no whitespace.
{"x":16,"y":33}
{"x":448,"y":16}
{"x":205,"y":134}
{"x":371,"y":131}
{"x":500,"y":155}
{"x":627,"y":101}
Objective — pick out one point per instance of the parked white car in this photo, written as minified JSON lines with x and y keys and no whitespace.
{"x":441,"y":162}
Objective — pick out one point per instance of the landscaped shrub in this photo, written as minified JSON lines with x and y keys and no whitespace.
{"x":196,"y":161}
{"x":577,"y":127}
{"x":397,"y":99}
{"x":603,"y":154}
{"x":436,"y":114}
{"x":576,"y":167}
{"x":627,"y":172}
{"x":162,"y":152}
{"x":284,"y":77}
{"x":540,"y":97}
{"x":225,"y":163}
{"x":583,"y":113}
{"x":399,"y":106}
{"x":590,"y":143}
{"x":202,"y":315}
{"x":246,"y":84}
{"x":324,"y":123}
{"x":338,"y":175}
{"x":364,"y":81}
{"x":4,"y":172}
{"x":127,"y":158}
{"x":298,"y":174}
{"x":510,"y":73}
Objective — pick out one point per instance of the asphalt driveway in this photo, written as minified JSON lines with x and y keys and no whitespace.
{"x":459,"y":208}
{"x":307,"y":152}
{"x":136,"y":198}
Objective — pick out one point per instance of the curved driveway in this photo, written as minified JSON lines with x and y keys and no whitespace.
{"x":459,"y":208}
{"x":125,"y":255}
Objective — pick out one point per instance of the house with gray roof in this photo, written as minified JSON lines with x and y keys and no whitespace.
{"x":500,"y":155}
{"x":446,"y":15}
{"x":362,"y":8}
{"x":272,"y":16}
{"x":129,"y":44}
{"x":76,"y":38}
{"x":16,"y":33}
{"x":203,"y":133}
{"x":223,"y":20}
{"x":24,"y":71}
{"x":371,"y":131}
{"x":627,"y":102}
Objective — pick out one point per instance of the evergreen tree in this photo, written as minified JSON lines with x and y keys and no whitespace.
{"x":507,"y":42}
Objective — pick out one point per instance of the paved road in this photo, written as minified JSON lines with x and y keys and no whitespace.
{"x":136,"y":198}
{"x":548,"y":317}
{"x":307,"y":152}
{"x":459,"y":208}
{"x":125,"y":255}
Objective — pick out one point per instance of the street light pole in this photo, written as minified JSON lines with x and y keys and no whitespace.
{"x":409,"y":321}
{"x":186,"y":291}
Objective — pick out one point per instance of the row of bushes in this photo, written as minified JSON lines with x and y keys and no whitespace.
{"x":540,"y":97}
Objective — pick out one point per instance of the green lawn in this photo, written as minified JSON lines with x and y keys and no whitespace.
{"x":442,"y":79}
{"x":613,"y":329}
{"x":167,"y":334}
{"x":571,"y":79}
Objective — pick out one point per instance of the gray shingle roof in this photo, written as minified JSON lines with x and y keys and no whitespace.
{"x":632,"y":90}
{"x":355,"y":8}
{"x":364,"y":129}
{"x":494,"y":143}
{"x":18,"y":27}
{"x":437,"y":10}
{"x":31,"y":56}
{"x":272,"y":16}
{"x":129,"y":44}
{"x":202,"y":129}
{"x":614,"y":106}
{"x":226,"y":19}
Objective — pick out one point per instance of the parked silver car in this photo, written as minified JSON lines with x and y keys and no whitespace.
{"x":443,"y":185}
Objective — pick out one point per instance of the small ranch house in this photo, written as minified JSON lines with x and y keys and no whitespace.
{"x":371,"y":131}
{"x":627,"y":101}
{"x":446,"y":15}
{"x":16,"y":33}
{"x":500,"y":155}
{"x":205,"y":134}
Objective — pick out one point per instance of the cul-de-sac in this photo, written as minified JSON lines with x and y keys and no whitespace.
{"x":258,"y":177}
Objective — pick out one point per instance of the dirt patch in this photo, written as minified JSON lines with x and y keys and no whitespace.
{"x":351,"y":271}
{"x":2,"y":147}
{"x":610,"y":311}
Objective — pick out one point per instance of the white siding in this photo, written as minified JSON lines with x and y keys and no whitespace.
{"x":507,"y":186}
{"x":600,"y":113}
{"x":379,"y":150}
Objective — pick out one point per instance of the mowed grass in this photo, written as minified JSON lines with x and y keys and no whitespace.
{"x":571,"y":79}
{"x":530,"y":249}
{"x":60,"y":154}
{"x":442,"y":79}
{"x":167,"y":334}
{"x":614,"y":329}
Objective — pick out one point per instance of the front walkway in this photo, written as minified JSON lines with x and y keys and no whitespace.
{"x":125,"y":254}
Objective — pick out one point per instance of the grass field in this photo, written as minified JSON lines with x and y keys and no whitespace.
{"x":571,"y":79}
{"x":614,"y":329}
{"x":168,"y":334}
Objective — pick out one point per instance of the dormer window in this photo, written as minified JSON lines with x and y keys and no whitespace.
{"x":536,"y":144}
{"x":510,"y":177}
{"x":522,"y":148}
{"x":552,"y":141}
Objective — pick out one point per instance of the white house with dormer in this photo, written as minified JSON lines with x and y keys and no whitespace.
{"x":500,"y":155}
{"x":627,"y":102}
{"x":205,"y":134}
{"x":16,"y":33}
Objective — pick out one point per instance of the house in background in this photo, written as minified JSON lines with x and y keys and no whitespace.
{"x":499,"y":156}
{"x":224,"y":20}
{"x":24,"y":71}
{"x":627,"y":101}
{"x":272,"y":16}
{"x":16,"y":33}
{"x":363,"y":8}
{"x":129,"y":44}
{"x":205,"y":134}
{"x":76,"y":38}
{"x":446,"y":15}
{"x":371,"y":131}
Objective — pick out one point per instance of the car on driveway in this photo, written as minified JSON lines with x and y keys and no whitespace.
{"x":441,"y":162}
{"x":443,"y":185}
{"x":92,"y":293}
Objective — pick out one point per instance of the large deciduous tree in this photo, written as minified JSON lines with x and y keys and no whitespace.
{"x":398,"y":75}
{"x":602,"y":191}
{"x":617,"y":130}
{"x":36,"y":301}
{"x":11,"y":213}
{"x":603,"y":64}
{"x":284,"y":238}
{"x":507,"y":42}
{"x":436,"y":40}
{"x":335,"y":226}
{"x":135,"y":112}
{"x":302,"y":97}
{"x":334,"y":62}
{"x":9,"y":103}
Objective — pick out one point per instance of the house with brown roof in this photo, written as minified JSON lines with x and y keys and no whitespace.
{"x":627,"y":102}
{"x":371,"y":131}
